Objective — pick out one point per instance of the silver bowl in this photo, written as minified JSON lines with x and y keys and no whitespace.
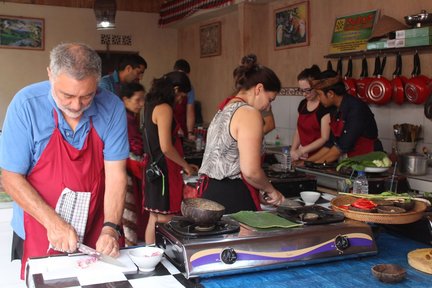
{"x":418,"y":20}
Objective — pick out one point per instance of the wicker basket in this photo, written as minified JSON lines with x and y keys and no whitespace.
{"x":403,"y":218}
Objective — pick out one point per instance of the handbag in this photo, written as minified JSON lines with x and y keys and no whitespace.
{"x":153,"y":172}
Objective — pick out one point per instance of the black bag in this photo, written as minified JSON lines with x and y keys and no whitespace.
{"x":153,"y":172}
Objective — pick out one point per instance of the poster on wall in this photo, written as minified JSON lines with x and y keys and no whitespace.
{"x":210,"y":40}
{"x":22,"y":32}
{"x":350,"y":33}
{"x":292,"y":26}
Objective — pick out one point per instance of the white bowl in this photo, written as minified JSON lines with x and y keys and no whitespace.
{"x":146,"y":258}
{"x":309,"y":197}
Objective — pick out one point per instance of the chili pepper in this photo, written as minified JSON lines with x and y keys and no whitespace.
{"x":345,"y":207}
{"x":364,"y":204}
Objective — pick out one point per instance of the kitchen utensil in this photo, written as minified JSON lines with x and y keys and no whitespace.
{"x":202,"y":211}
{"x":92,"y":252}
{"x":389,"y":273}
{"x":310,"y":197}
{"x":379,"y":90}
{"x":413,"y":164}
{"x":418,"y":87}
{"x":350,"y":83}
{"x":421,"y":259}
{"x":418,"y":20}
{"x":363,"y":82}
{"x":428,"y":108}
{"x":398,"y":82}
{"x":339,"y":67}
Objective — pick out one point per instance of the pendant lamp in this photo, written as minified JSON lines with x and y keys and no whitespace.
{"x":105,"y":11}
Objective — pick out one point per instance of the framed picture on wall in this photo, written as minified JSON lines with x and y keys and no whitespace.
{"x":22,"y":32}
{"x":210,"y":39}
{"x":291,"y":26}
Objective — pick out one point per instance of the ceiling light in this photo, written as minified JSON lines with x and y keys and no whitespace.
{"x":105,"y":11}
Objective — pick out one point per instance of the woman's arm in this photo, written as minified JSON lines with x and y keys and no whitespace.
{"x":162,"y":116}
{"x":294,"y":153}
{"x":246,"y":128}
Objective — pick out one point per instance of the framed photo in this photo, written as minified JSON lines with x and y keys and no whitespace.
{"x":210,"y":39}
{"x":292,"y":26}
{"x":22,"y":32}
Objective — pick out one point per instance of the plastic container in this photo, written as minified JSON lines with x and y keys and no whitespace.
{"x":360,"y":184}
{"x":286,"y":159}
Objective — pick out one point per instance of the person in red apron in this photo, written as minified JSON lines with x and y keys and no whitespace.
{"x":231,"y":172}
{"x":313,"y":123}
{"x":134,"y":218}
{"x":64,"y":193}
{"x":353,"y":125}
{"x":163,"y":193}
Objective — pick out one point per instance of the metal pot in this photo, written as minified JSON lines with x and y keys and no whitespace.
{"x":202,"y":212}
{"x":413,"y":164}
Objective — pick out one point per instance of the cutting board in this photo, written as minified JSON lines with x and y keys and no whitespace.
{"x":421,"y":259}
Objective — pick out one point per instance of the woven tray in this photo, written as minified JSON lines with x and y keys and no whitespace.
{"x":403,"y":218}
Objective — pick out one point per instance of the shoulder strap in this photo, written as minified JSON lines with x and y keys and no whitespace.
{"x":148,"y":145}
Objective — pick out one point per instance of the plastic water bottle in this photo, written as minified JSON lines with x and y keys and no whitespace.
{"x":360,"y":184}
{"x":286,"y":159}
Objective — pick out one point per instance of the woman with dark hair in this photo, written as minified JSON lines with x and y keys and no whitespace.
{"x":352,"y":123}
{"x":163,"y":194}
{"x":133,"y":220}
{"x":231,"y":172}
{"x":313,"y":122}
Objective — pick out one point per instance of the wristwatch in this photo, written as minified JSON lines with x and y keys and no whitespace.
{"x":116,"y":227}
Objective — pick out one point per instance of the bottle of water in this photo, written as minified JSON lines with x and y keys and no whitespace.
{"x":286,"y":159}
{"x":360,"y":184}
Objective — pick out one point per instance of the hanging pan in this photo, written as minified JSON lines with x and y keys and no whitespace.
{"x":398,"y":82}
{"x":350,"y":83}
{"x":379,"y":90}
{"x":417,"y":88}
{"x":363,"y":82}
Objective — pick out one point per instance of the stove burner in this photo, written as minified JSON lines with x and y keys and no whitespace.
{"x":183,"y":226}
{"x":310,"y":215}
{"x":205,"y":228}
{"x":281,"y":175}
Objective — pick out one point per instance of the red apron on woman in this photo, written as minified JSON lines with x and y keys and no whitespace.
{"x":61,"y":165}
{"x":309,"y":128}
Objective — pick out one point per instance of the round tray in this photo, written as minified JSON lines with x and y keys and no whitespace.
{"x":411,"y":216}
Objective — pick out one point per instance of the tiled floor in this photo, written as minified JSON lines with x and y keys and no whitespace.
{"x":9,"y":271}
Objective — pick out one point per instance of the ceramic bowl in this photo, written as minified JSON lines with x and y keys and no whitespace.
{"x":146,"y":258}
{"x":309,"y":197}
{"x":389,"y":273}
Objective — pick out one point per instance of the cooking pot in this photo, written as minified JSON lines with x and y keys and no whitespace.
{"x":398,"y":82}
{"x":363,"y":82}
{"x":202,"y":212}
{"x":379,"y":90}
{"x":350,"y":83}
{"x":417,"y":88}
{"x":413,"y":164}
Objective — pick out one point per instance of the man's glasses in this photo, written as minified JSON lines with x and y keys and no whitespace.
{"x":306,"y":90}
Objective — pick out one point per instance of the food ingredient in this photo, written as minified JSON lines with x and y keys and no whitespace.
{"x":373,"y":159}
{"x":363,"y":203}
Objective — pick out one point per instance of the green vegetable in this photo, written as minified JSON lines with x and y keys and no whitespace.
{"x":373,"y":159}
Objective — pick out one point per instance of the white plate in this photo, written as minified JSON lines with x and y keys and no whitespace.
{"x":376,"y":169}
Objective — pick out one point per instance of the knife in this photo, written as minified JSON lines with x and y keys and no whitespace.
{"x":92,"y":252}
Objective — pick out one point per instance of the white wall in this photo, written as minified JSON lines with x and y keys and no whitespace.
{"x":19,"y":68}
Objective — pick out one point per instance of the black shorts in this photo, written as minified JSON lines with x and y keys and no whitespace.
{"x":17,"y":247}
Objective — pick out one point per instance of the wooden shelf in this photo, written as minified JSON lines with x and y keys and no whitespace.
{"x":373,"y":53}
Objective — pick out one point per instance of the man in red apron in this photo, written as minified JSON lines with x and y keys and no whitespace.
{"x":63,"y":157}
{"x":353,"y":125}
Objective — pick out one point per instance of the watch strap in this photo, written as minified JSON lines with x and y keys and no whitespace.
{"x":116,"y":227}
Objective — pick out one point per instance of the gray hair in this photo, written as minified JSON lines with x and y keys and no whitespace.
{"x":78,"y":60}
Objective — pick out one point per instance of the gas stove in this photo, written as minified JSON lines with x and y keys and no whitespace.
{"x":244,"y":249}
{"x":291,"y":183}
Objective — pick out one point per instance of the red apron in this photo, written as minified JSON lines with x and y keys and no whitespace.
{"x":175,"y":178}
{"x":62,"y":165}
{"x":180,"y":111}
{"x":362,"y":146}
{"x":309,"y":128}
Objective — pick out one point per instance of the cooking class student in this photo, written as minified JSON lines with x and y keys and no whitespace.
{"x":313,"y":122}
{"x":65,"y":141}
{"x":352,"y":123}
{"x":163,"y":187}
{"x":231,"y":172}
{"x":134,"y":220}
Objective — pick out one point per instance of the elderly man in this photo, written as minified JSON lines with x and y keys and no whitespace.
{"x":63,"y":152}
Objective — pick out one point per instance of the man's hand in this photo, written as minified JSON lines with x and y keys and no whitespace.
{"x":62,"y":236}
{"x":108,"y":242}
